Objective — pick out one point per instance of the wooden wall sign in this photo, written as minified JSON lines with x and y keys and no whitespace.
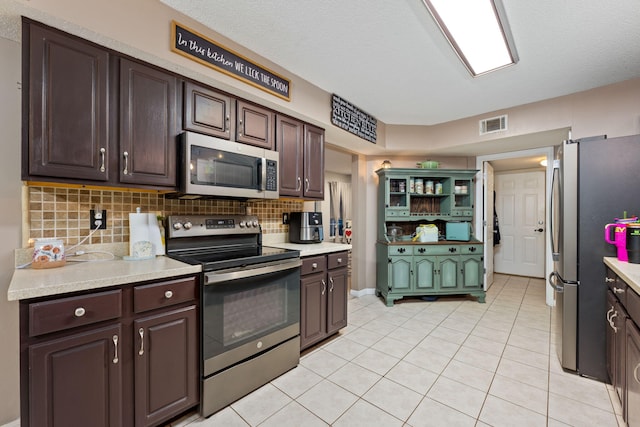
{"x":199,"y":48}
{"x":352,"y":119}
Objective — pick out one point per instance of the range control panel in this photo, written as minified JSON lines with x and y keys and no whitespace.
{"x":211,"y":225}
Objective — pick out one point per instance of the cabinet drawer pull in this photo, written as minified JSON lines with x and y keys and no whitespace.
{"x":635,"y":373}
{"x":141,"y":333}
{"x":609,"y":279}
{"x":102,"y":152}
{"x":306,"y":184}
{"x":168,"y":294}
{"x":79,"y":312}
{"x":126,"y":162}
{"x":618,"y":290}
{"x":331,"y":282}
{"x":115,"y":345}
{"x":314,"y":265}
{"x":299,"y":184}
{"x":324,"y":286}
{"x":339,"y":260}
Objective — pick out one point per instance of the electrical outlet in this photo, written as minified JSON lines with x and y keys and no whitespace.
{"x":285,"y":217}
{"x":98,"y":217}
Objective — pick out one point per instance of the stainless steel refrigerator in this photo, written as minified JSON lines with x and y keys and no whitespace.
{"x":595,"y":180}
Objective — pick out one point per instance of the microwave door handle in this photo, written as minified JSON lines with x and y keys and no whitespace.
{"x":262,"y":175}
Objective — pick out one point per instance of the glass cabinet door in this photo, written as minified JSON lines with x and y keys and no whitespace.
{"x":397,"y":199}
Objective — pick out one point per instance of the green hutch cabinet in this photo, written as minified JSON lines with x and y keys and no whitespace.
{"x":411,"y":197}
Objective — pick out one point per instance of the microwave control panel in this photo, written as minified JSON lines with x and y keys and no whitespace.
{"x":272,"y":176}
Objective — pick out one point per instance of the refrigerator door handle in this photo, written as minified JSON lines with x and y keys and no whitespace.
{"x":555,"y":253}
{"x":553,"y":279}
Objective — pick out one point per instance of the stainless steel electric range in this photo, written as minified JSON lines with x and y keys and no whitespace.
{"x":250,"y":303}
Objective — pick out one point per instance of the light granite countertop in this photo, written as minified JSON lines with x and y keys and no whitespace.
{"x":29,"y":283}
{"x":310,"y":249}
{"x":79,"y":276}
{"x":627,"y":271}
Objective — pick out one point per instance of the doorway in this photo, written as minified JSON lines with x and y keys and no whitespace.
{"x":483,"y":219}
{"x":520,"y":213}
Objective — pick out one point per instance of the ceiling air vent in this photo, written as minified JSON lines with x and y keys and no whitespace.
{"x":494,"y":124}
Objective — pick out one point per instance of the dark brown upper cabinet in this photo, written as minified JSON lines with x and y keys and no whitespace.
{"x":92,"y":117}
{"x":289,"y":143}
{"x":148,"y":132}
{"x":255,"y":125}
{"x":313,"y":162}
{"x":67,"y":104}
{"x":209,"y":112}
{"x":301,"y":148}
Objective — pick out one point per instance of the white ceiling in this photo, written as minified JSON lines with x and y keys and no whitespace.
{"x":389,"y":59}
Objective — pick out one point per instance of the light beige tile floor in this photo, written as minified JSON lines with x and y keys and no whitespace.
{"x":452,"y":362}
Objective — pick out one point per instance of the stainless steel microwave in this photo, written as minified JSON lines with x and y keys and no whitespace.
{"x":213,"y":167}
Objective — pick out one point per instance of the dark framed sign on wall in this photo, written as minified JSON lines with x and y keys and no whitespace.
{"x":199,"y":48}
{"x":347,"y":116}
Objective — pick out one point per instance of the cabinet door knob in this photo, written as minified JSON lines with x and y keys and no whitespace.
{"x":115,"y":352}
{"x":609,"y":315}
{"x":306,"y":184}
{"x":635,"y":373}
{"x":324,"y":286}
{"x":168,"y":294}
{"x":331,"y":283}
{"x":613,"y":325}
{"x":126,"y":163}
{"x":609,"y":279}
{"x":102,"y":155}
{"x":422,"y":250}
{"x":141,"y":333}
{"x":298,"y":184}
{"x":618,"y":290}
{"x":79,"y":312}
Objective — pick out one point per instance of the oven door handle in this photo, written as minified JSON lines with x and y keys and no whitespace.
{"x":214,"y":277}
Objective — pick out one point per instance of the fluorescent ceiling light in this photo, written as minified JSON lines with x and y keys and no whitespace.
{"x":477,"y":30}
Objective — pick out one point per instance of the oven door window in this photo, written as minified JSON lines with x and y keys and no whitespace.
{"x":238,"y":312}
{"x":224,"y":169}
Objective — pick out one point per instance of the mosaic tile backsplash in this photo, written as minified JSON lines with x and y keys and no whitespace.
{"x":64,"y":212}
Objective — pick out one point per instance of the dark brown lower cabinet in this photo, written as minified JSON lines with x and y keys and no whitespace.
{"x":166,"y":365}
{"x":115,"y":358}
{"x":633,"y":374}
{"x":623,"y":345}
{"x":323,"y":297}
{"x":77,"y":380}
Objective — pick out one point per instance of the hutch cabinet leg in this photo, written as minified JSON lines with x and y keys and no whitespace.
{"x":481,"y":296}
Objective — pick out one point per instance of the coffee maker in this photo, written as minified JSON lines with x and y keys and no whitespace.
{"x":305,"y":227}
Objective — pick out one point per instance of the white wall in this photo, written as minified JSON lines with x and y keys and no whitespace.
{"x":10,"y":226}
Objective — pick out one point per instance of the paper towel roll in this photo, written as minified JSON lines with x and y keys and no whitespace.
{"x":154,"y":234}
{"x":138,"y":229}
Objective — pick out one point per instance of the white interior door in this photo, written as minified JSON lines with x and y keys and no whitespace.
{"x":520,"y":205}
{"x":487,"y":194}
